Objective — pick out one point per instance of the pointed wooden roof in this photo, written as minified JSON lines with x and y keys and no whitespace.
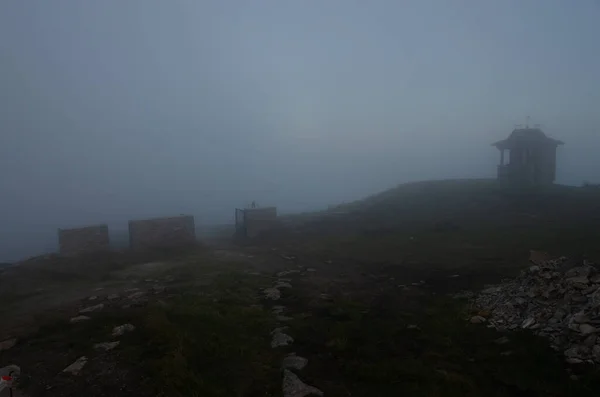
{"x":526,"y":137}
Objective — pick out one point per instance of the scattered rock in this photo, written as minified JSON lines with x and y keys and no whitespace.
{"x":484,"y":313}
{"x":413,"y":326}
{"x":121,"y":329}
{"x":574,"y":361}
{"x":281,"y":339}
{"x":590,"y":341}
{"x":491,"y":290}
{"x":8,"y":344}
{"x":587,"y":329}
{"x":556,"y":299}
{"x":272,"y":293}
{"x":501,"y":341}
{"x":106,"y":346}
{"x":292,"y":361}
{"x":79,"y":319}
{"x":93,"y":298}
{"x":279,"y":329}
{"x":113,"y":297}
{"x":136,"y":295}
{"x":286,"y":272}
{"x":596,"y":352}
{"x":461,"y":294}
{"x":572,"y":352}
{"x":310,"y":269}
{"x":293,"y":387}
{"x":77,"y":366}
{"x":580,"y":318}
{"x":91,"y":309}
{"x":278,"y":309}
{"x":528,"y":322}
{"x":282,"y":284}
{"x":477,"y":320}
{"x":158,"y":289}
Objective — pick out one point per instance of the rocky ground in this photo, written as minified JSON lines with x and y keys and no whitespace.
{"x":558,"y":299}
{"x":258,"y":321}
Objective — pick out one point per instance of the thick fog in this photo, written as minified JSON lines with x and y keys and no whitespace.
{"x":114,"y":110}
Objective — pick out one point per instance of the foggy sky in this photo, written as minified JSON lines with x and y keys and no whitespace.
{"x":113,"y":110}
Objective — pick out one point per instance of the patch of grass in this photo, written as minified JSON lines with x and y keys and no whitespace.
{"x":213,"y":343}
{"x":208,"y":341}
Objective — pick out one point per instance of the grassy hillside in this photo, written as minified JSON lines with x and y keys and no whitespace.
{"x":456,"y":223}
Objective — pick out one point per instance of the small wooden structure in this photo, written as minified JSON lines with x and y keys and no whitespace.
{"x":250,"y":222}
{"x":532,"y":157}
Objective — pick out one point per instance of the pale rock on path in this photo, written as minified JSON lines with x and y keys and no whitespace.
{"x":278,"y":309}
{"x":287,"y":272}
{"x":77,"y":366}
{"x":122,"y":329}
{"x":292,"y":361}
{"x":106,"y":346}
{"x":272,"y":293}
{"x":79,"y":319}
{"x":294,"y":387}
{"x":91,"y":309}
{"x":280,"y":339}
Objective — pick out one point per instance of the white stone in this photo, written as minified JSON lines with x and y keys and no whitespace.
{"x":121,"y":329}
{"x":292,"y":361}
{"x":281,"y":339}
{"x":77,"y":366}
{"x":79,"y":319}
{"x":106,"y":346}
{"x":136,"y":295}
{"x":272,"y":293}
{"x":528,"y":323}
{"x":477,"y":320}
{"x":293,"y":387}
{"x":92,"y":309}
